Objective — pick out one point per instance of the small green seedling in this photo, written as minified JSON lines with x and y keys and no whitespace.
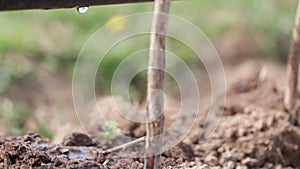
{"x":110,"y":130}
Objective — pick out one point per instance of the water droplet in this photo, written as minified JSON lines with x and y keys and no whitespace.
{"x":82,"y":9}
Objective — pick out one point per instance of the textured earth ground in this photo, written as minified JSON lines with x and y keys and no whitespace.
{"x":255,"y":132}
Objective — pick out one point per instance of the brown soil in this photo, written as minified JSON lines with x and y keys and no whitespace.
{"x":255,"y":132}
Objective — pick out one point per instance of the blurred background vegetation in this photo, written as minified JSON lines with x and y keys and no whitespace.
{"x":50,"y":41}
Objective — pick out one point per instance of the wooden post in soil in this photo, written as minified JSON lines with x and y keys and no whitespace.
{"x":293,"y":65}
{"x":155,"y":115}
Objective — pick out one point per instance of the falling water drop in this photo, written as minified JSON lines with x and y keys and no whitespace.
{"x":82,"y":9}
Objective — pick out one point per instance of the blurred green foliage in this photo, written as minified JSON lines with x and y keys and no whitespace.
{"x":52,"y":39}
{"x":15,"y":120}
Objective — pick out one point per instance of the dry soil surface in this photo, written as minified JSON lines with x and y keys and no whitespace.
{"x":255,"y":132}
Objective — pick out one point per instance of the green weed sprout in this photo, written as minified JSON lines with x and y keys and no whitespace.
{"x":110,"y":130}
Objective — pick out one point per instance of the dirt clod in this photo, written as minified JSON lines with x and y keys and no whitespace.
{"x":78,"y":139}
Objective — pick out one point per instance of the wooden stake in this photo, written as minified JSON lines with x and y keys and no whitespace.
{"x":155,"y":99}
{"x":293,"y":65}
